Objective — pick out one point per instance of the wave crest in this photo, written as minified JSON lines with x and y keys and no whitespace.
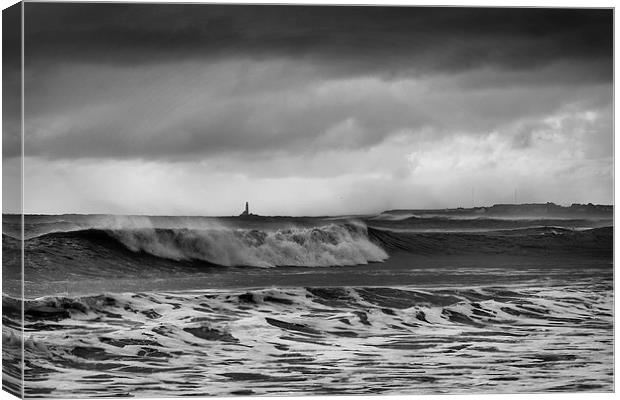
{"x":329,"y":245}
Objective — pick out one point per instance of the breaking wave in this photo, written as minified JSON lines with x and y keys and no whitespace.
{"x":329,"y":245}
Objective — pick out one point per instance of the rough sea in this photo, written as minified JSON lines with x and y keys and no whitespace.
{"x":386,"y":304}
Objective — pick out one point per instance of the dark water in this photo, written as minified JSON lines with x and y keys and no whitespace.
{"x":203,"y":306}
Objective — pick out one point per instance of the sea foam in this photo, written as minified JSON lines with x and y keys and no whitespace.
{"x":329,"y":245}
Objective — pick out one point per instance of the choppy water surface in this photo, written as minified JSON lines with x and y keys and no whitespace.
{"x":323,"y":341}
{"x":154,"y":306}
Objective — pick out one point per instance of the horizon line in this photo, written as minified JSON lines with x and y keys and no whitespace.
{"x":317,"y":216}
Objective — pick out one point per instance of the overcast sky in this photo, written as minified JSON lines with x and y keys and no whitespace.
{"x":308,"y":110}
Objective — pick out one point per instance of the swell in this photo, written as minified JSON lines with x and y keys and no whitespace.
{"x":99,"y":253}
{"x":329,"y":245}
{"x":531,"y":241}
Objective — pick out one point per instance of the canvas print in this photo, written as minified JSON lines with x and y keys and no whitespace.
{"x":219,"y":199}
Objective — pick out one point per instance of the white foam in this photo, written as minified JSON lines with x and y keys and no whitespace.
{"x":329,"y":245}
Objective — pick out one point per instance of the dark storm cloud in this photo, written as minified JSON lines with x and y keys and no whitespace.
{"x":177,"y":81}
{"x":11,"y":80}
{"x":191,"y":111}
{"x":385,"y":40}
{"x":308,"y":109}
{"x":11,"y":107}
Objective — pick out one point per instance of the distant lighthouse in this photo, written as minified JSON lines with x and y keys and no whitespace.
{"x":247,"y":210}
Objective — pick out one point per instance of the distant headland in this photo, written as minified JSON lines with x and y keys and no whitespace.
{"x":519,"y":210}
{"x":527,"y":210}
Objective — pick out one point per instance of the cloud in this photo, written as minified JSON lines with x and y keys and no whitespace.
{"x":193,"y":110}
{"x":403,"y":172}
{"x":178,"y":81}
{"x":307,"y":109}
{"x":365,"y":38}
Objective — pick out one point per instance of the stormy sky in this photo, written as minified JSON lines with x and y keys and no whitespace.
{"x":311,"y":110}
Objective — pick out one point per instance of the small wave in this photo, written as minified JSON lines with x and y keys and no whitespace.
{"x":392,"y":303}
{"x":296,"y":339}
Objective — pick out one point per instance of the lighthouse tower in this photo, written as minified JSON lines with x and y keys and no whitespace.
{"x":247,"y":210}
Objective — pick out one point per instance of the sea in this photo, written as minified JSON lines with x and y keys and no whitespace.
{"x":392,"y":303}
